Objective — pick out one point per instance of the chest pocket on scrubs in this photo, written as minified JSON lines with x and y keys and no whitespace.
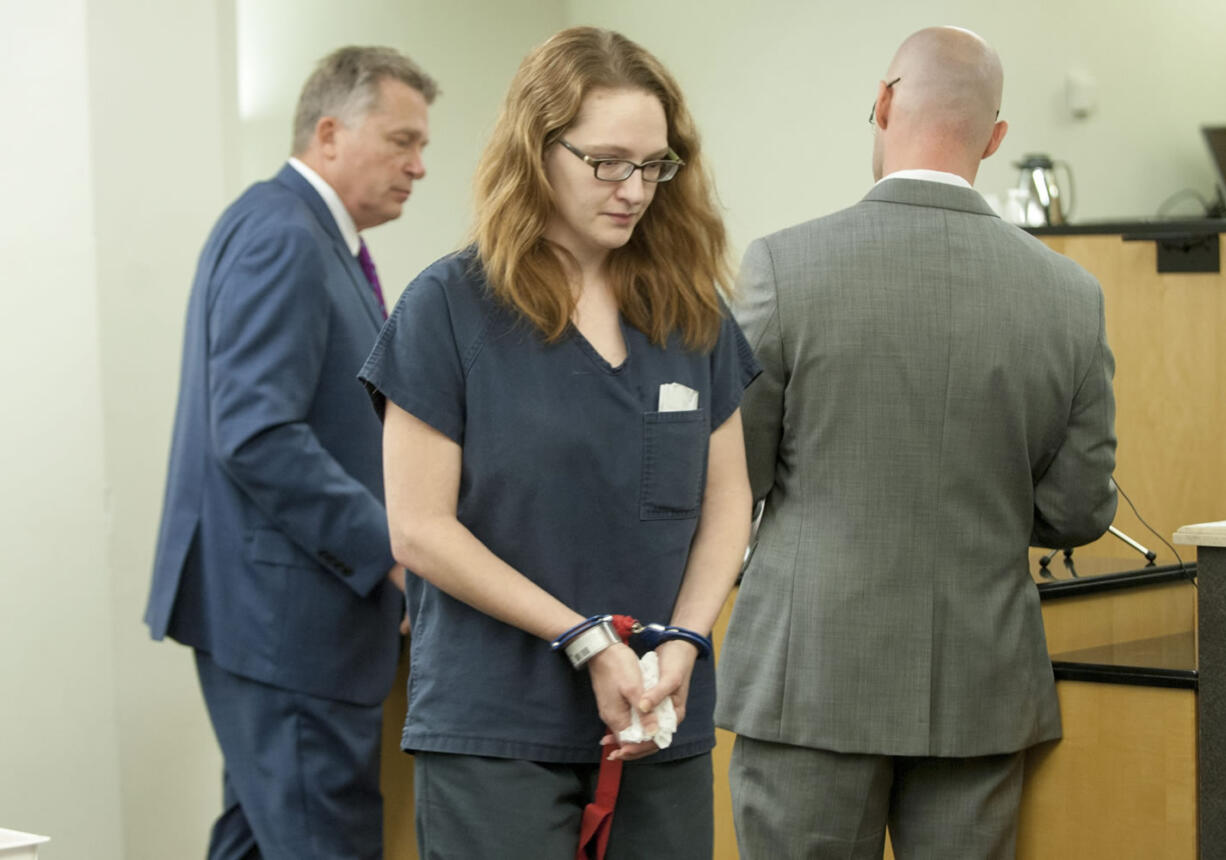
{"x":674,"y":464}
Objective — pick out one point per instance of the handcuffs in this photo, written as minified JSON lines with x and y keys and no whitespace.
{"x":594,"y":634}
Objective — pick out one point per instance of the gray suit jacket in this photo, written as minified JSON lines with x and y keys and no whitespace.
{"x":935,"y":397}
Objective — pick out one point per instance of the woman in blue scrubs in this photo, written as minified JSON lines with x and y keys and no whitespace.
{"x":562,"y":441}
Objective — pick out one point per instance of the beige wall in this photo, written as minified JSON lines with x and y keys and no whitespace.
{"x":132,"y":125}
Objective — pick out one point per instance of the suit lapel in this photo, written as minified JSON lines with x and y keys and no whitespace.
{"x":294,"y":180}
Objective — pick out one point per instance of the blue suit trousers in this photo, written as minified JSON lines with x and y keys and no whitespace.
{"x":301,"y":772}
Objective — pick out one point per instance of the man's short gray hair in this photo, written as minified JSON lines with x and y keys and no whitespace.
{"x":345,"y":84}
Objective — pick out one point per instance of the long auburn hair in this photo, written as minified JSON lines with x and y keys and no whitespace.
{"x":668,"y":276}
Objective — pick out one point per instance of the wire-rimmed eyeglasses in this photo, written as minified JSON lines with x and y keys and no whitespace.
{"x":621,"y":169}
{"x":872,"y":114}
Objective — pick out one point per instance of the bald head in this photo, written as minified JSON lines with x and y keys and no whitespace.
{"x":943,"y":109}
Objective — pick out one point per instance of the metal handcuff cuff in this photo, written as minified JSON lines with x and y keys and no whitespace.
{"x":592,"y":635}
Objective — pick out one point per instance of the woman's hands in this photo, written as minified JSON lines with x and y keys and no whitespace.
{"x":618,"y":685}
{"x":676,"y":666}
{"x":617,"y":682}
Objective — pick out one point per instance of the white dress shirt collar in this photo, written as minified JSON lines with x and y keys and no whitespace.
{"x":344,"y":221}
{"x":928,"y":176}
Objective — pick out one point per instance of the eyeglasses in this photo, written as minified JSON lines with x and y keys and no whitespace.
{"x":621,"y":169}
{"x":872,"y":114}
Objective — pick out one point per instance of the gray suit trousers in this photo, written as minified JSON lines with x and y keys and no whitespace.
{"x":799,"y":802}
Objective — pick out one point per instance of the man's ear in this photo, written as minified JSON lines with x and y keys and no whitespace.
{"x":325,"y":135}
{"x":885,"y":97}
{"x":998,"y":134}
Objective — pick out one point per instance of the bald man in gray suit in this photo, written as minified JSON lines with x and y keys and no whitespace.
{"x":936,"y":396}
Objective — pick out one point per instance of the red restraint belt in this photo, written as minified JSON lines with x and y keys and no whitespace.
{"x":597,"y":820}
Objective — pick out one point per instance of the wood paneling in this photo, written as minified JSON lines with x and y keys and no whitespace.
{"x":1073,"y":623}
{"x":725,"y":831}
{"x":396,"y":775}
{"x":1122,"y":782}
{"x":1168,"y":333}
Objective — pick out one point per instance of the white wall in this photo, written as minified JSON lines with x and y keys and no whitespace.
{"x":126,"y":141}
{"x":190,"y":102}
{"x":163,"y":111}
{"x":471,"y":47}
{"x":58,"y":749}
{"x":782,"y":89}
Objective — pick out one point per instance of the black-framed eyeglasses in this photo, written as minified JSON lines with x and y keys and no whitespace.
{"x":621,"y":169}
{"x":872,"y":114}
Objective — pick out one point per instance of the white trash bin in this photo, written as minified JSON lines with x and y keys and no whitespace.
{"x":15,"y":845}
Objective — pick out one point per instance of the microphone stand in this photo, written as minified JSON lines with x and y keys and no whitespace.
{"x":1044,"y":561}
{"x":1149,"y":554}
{"x":1068,"y":564}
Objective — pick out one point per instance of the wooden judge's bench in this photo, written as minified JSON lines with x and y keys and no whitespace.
{"x":1138,"y":649}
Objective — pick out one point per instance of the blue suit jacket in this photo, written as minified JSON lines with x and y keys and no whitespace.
{"x":273,"y":549}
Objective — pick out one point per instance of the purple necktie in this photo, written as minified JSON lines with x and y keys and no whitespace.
{"x":368,"y":269}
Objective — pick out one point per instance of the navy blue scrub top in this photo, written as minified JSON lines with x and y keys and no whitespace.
{"x":572,"y":476}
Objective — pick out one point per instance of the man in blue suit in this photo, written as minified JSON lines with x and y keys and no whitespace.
{"x":273,"y":560}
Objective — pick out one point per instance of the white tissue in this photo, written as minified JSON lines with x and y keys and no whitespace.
{"x":666,"y":716}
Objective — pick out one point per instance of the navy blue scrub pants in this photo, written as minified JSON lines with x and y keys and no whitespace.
{"x":301,"y":773}
{"x":477,"y":808}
